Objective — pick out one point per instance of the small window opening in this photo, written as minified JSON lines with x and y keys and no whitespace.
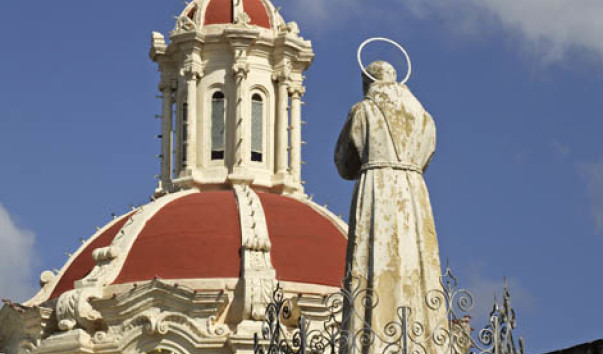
{"x":257,"y":128}
{"x":217,"y":126}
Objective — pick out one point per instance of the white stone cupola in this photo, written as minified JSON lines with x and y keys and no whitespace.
{"x":194,"y":270}
{"x":232,"y":85}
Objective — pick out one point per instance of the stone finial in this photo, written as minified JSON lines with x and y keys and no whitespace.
{"x":293,"y":28}
{"x":46,"y":278}
{"x":158,"y":45}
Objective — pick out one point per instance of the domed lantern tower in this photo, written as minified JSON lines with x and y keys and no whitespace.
{"x":193,"y":270}
{"x":232,"y":83}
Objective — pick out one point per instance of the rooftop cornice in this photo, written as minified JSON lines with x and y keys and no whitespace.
{"x":157,"y":292}
{"x":183,"y":37}
{"x":241,"y":37}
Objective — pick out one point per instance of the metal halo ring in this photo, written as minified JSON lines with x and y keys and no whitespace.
{"x":381,"y":39}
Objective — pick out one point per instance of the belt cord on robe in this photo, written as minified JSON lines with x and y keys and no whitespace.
{"x":391,"y":164}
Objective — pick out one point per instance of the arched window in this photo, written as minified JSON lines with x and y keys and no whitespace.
{"x":257,"y":128}
{"x":217,"y":126}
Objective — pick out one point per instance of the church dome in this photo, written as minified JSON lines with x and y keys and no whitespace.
{"x":199,"y":235}
{"x":260,"y":13}
{"x":194,"y":270}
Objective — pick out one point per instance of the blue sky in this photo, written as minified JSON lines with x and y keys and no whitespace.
{"x":515,"y":87}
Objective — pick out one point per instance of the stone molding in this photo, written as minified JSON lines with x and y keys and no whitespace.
{"x":152,"y":314}
{"x":106,"y":271}
{"x":73,"y":308}
{"x":49,"y":280}
{"x":158,"y":308}
{"x":257,"y":271}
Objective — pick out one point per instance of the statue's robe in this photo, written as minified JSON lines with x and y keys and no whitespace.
{"x":386,"y":145}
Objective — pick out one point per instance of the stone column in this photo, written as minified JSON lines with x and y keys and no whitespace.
{"x":166,"y":132}
{"x":296,"y":135}
{"x":240,"y":71}
{"x":241,"y":39}
{"x":191,"y":119}
{"x":282,"y":123}
{"x":179,"y":100}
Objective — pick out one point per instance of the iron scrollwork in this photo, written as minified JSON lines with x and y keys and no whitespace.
{"x":281,"y":340}
{"x":287,"y":332}
{"x":498,"y":334}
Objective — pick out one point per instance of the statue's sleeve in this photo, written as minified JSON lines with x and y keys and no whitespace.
{"x":351,"y":144}
{"x":431,"y":140}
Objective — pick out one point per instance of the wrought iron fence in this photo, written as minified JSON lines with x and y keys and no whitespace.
{"x":405,"y":335}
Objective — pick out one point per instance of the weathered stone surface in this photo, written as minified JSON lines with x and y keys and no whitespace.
{"x":386,"y":144}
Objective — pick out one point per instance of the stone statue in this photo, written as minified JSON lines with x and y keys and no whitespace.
{"x":386,"y":145}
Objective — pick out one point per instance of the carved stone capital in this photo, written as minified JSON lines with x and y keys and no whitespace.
{"x":280,"y":78}
{"x":193,"y":72}
{"x":164,"y":86}
{"x":297,"y":91}
{"x":283,"y":74}
{"x":167,"y":85}
{"x":240,"y":70}
{"x":192,"y":65}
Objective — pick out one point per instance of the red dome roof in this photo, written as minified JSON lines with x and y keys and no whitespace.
{"x":83,"y":263}
{"x":198,"y":236}
{"x":306,"y":247}
{"x":221,"y":12}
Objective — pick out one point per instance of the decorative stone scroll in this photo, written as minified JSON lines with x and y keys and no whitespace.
{"x":257,"y":270}
{"x":74,"y":309}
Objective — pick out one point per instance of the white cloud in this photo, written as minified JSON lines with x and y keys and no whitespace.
{"x":16,"y":259}
{"x":550,"y":27}
{"x":558,"y":24}
{"x":593,"y":175}
{"x":562,"y":23}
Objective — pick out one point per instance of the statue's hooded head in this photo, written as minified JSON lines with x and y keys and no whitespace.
{"x":382,"y":71}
